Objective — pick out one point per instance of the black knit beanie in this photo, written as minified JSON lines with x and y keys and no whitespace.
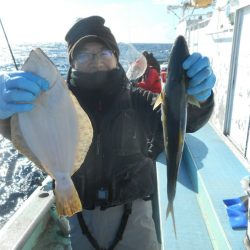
{"x":90,"y":29}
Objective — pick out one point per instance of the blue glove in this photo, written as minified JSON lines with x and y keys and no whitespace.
{"x":18,"y":90}
{"x":202,"y":78}
{"x":237,"y":219}
{"x":237,"y":209}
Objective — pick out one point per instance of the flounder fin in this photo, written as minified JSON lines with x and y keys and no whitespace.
{"x":67,"y":200}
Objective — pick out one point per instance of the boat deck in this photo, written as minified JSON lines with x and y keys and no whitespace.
{"x":209,"y":173}
{"x":52,"y":238}
{"x":191,"y":230}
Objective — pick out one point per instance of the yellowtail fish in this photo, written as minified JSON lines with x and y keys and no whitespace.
{"x":56,"y":134}
{"x":174,"y":101}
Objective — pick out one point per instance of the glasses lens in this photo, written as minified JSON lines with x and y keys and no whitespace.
{"x":83,"y":57}
{"x":106,"y":54}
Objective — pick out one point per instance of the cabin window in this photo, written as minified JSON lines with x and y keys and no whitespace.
{"x":237,"y":124}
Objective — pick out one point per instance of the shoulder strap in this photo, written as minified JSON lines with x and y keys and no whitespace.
{"x":124,"y":220}
{"x":121,"y":229}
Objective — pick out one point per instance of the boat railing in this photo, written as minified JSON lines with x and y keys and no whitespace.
{"x":18,"y":230}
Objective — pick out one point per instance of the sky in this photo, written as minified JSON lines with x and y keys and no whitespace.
{"x":131,"y":21}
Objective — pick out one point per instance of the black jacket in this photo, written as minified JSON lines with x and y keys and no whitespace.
{"x":119,"y":166}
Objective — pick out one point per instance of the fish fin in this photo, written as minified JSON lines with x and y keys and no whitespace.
{"x":158,"y":101}
{"x":170,"y":210}
{"x":181,"y":137}
{"x":192,"y":100}
{"x":67,"y":200}
{"x":180,"y":147}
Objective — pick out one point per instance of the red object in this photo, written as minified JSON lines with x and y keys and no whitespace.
{"x":151,"y":80}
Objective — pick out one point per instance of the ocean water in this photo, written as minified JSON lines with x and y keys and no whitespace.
{"x":18,"y":176}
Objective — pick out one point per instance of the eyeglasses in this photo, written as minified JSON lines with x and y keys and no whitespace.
{"x":84,"y":57}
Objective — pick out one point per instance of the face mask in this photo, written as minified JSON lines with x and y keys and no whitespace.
{"x":101,"y":82}
{"x":88,"y":81}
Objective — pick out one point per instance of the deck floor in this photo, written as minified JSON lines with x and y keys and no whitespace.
{"x":52,"y":238}
{"x":191,"y":230}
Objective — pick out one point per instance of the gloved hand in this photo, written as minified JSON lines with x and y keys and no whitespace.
{"x":18,"y":90}
{"x":202,"y":78}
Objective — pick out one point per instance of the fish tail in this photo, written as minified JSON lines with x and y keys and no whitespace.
{"x":67,"y":199}
{"x":170,"y":210}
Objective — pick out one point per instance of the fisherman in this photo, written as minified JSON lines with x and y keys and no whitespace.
{"x":117,"y":179}
{"x":151,"y":80}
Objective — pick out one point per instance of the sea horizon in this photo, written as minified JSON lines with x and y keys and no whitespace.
{"x":58,"y":53}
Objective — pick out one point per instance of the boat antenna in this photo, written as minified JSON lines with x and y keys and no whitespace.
{"x":13,"y":58}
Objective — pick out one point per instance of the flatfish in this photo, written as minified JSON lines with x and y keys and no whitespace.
{"x":56,"y":134}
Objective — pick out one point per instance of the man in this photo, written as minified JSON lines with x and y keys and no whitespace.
{"x":116,"y":180}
